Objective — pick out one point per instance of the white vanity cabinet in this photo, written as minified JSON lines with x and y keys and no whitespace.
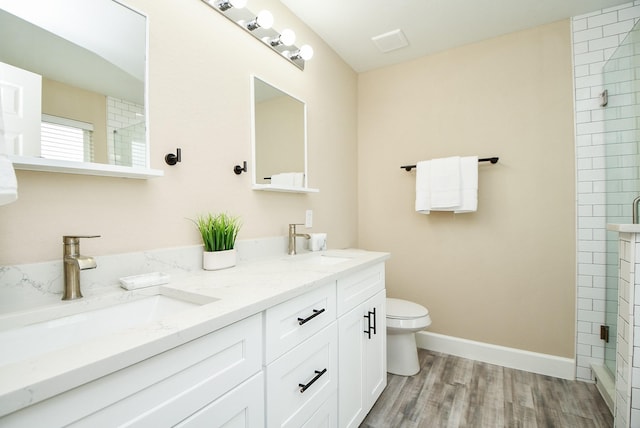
{"x":168,"y":388}
{"x":362,"y":336}
{"x":311,"y":356}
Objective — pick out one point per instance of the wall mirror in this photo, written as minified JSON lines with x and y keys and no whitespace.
{"x":89,"y":60}
{"x":279,"y":140}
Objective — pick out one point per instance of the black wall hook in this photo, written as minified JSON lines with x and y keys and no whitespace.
{"x":240,"y":169}
{"x":172,"y":159}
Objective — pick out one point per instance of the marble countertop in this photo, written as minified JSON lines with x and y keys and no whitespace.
{"x":631,"y":228}
{"x":246,"y":289}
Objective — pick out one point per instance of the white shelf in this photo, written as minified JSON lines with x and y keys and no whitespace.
{"x":271,"y":188}
{"x":84,"y":168}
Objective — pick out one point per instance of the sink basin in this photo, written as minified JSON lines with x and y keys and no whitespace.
{"x":84,"y":322}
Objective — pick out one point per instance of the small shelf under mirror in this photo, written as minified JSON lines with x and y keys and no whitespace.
{"x":271,"y":188}
{"x":86,"y":168}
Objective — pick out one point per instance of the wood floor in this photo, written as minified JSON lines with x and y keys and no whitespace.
{"x":455,"y":392}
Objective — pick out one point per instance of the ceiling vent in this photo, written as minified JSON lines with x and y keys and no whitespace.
{"x":390,"y":41}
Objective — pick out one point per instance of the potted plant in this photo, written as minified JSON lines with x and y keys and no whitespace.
{"x":219,"y":232}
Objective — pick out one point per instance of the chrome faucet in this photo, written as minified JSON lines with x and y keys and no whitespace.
{"x":634,"y":210}
{"x":73,"y":264}
{"x":292,"y":238}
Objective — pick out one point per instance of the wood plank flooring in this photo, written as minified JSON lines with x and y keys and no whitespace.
{"x":455,"y":392}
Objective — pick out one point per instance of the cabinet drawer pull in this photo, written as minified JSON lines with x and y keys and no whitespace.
{"x":304,"y":387}
{"x":371,"y":327}
{"x":375,"y":321}
{"x":316,"y":312}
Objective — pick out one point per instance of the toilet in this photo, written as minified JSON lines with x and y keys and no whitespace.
{"x":404,"y":319}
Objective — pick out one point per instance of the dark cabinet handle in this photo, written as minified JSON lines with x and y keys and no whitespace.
{"x":371,"y":327}
{"x":368,"y":330}
{"x":374,"y":320}
{"x":316,"y":312}
{"x":304,"y":387}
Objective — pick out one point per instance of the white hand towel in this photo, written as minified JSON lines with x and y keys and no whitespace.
{"x":284,"y":179}
{"x":423,"y":188}
{"x":298,"y":179}
{"x":469,"y":174}
{"x":445,"y":184}
{"x":8,"y":181}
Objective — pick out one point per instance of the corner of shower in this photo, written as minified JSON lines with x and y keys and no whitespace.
{"x":621,"y":185}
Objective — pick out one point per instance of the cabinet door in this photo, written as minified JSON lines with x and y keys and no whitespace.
{"x":375,"y":351}
{"x":362,"y":363}
{"x":242,"y":407}
{"x":351,"y":360}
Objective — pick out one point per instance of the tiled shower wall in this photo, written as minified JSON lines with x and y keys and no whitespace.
{"x":127,"y":120}
{"x":595,"y":38}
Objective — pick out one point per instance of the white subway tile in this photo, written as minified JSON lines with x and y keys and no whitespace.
{"x":589,"y":57}
{"x":588,"y":34}
{"x":629,"y":13}
{"x":602,"y":19}
{"x":622,"y":27}
{"x":589,"y":81}
{"x":578,"y":24}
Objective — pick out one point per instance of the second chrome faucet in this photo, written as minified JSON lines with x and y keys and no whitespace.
{"x":292,"y":237}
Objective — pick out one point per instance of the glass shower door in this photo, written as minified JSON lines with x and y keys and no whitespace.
{"x":620,"y":164}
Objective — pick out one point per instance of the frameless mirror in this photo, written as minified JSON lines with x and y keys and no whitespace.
{"x":279,"y":140}
{"x":87,"y":62}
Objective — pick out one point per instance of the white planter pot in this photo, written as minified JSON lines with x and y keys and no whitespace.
{"x":214,"y":260}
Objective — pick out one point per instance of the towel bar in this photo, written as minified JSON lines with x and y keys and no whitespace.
{"x":492,"y":160}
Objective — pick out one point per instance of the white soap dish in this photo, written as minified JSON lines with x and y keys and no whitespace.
{"x":145,"y":280}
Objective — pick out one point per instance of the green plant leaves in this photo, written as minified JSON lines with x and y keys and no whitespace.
{"x":219,"y":231}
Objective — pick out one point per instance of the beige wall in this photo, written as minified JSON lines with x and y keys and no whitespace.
{"x":279,"y":137}
{"x":199,"y":100}
{"x":59,"y":99}
{"x":506,"y":274}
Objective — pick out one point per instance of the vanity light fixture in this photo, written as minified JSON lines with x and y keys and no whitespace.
{"x":263,"y":20}
{"x":286,"y":38}
{"x":260,"y":26}
{"x":228,"y":4}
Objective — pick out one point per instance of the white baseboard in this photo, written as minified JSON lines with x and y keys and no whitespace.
{"x":534,"y":362}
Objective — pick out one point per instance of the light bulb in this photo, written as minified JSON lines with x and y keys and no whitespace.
{"x":306,"y":52}
{"x":264,"y":19}
{"x":287,"y":37}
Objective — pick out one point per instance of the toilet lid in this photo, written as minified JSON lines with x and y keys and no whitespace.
{"x":398,"y":308}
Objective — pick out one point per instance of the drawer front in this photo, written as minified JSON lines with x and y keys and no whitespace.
{"x":299,"y":382}
{"x":159,"y":391}
{"x":326,"y":416}
{"x":242,"y":407}
{"x":358,"y":287}
{"x":290,"y":323}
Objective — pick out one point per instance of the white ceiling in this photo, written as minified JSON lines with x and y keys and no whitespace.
{"x":429,"y":25}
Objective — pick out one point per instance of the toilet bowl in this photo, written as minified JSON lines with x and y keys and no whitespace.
{"x":404,"y":319}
